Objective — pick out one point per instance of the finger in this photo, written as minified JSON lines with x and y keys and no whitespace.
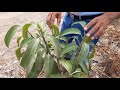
{"x":48,"y":19}
{"x":101,"y":31}
{"x":98,"y":33}
{"x":94,"y":29}
{"x":90,"y":24}
{"x":52,"y":19}
{"x":58,"y":20}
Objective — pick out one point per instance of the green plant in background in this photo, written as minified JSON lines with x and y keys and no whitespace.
{"x":45,"y":52}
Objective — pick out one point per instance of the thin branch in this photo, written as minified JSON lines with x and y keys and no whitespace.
{"x":30,"y":34}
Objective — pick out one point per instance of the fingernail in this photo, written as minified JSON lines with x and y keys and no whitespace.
{"x":85,"y":28}
{"x":88,"y":35}
{"x":92,"y":38}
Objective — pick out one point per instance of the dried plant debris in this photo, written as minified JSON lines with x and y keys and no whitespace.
{"x":108,"y":52}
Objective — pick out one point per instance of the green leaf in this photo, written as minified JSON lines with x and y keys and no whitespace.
{"x":25,"y":30}
{"x":57,"y":76}
{"x":76,"y":75}
{"x":87,"y":62}
{"x":83,"y":52}
{"x":30,"y":65}
{"x":62,"y":45}
{"x":37,"y":67}
{"x":25,"y":41}
{"x":78,"y":70}
{"x":79,"y":75}
{"x":87,"y":40}
{"x":18,"y":40}
{"x":50,"y":66}
{"x":67,"y":65}
{"x":68,"y":48}
{"x":84,"y":67}
{"x":75,"y":38}
{"x":29,"y":55}
{"x":18,"y":53}
{"x":70,"y":31}
{"x":74,"y":60}
{"x":55,"y":30}
{"x":10,"y":34}
{"x":92,"y":53}
{"x":92,"y":44}
{"x":55,"y":44}
{"x":64,"y":39}
{"x":37,"y":35}
{"x":49,"y":44}
{"x":42,"y":24}
{"x":41,"y":46}
{"x":39,"y":27}
{"x":83,"y":75}
{"x":83,"y":55}
{"x":82,"y":23}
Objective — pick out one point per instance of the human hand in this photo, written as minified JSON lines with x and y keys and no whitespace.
{"x":52,"y":16}
{"x":99,"y":25}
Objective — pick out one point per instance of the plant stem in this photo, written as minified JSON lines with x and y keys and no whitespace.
{"x":48,"y":51}
{"x":47,"y":48}
{"x":42,"y":46}
{"x":30,"y":34}
{"x":60,"y":68}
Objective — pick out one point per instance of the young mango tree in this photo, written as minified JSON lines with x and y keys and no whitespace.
{"x":44,"y":51}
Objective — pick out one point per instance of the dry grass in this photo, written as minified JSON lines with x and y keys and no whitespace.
{"x":108,"y":49}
